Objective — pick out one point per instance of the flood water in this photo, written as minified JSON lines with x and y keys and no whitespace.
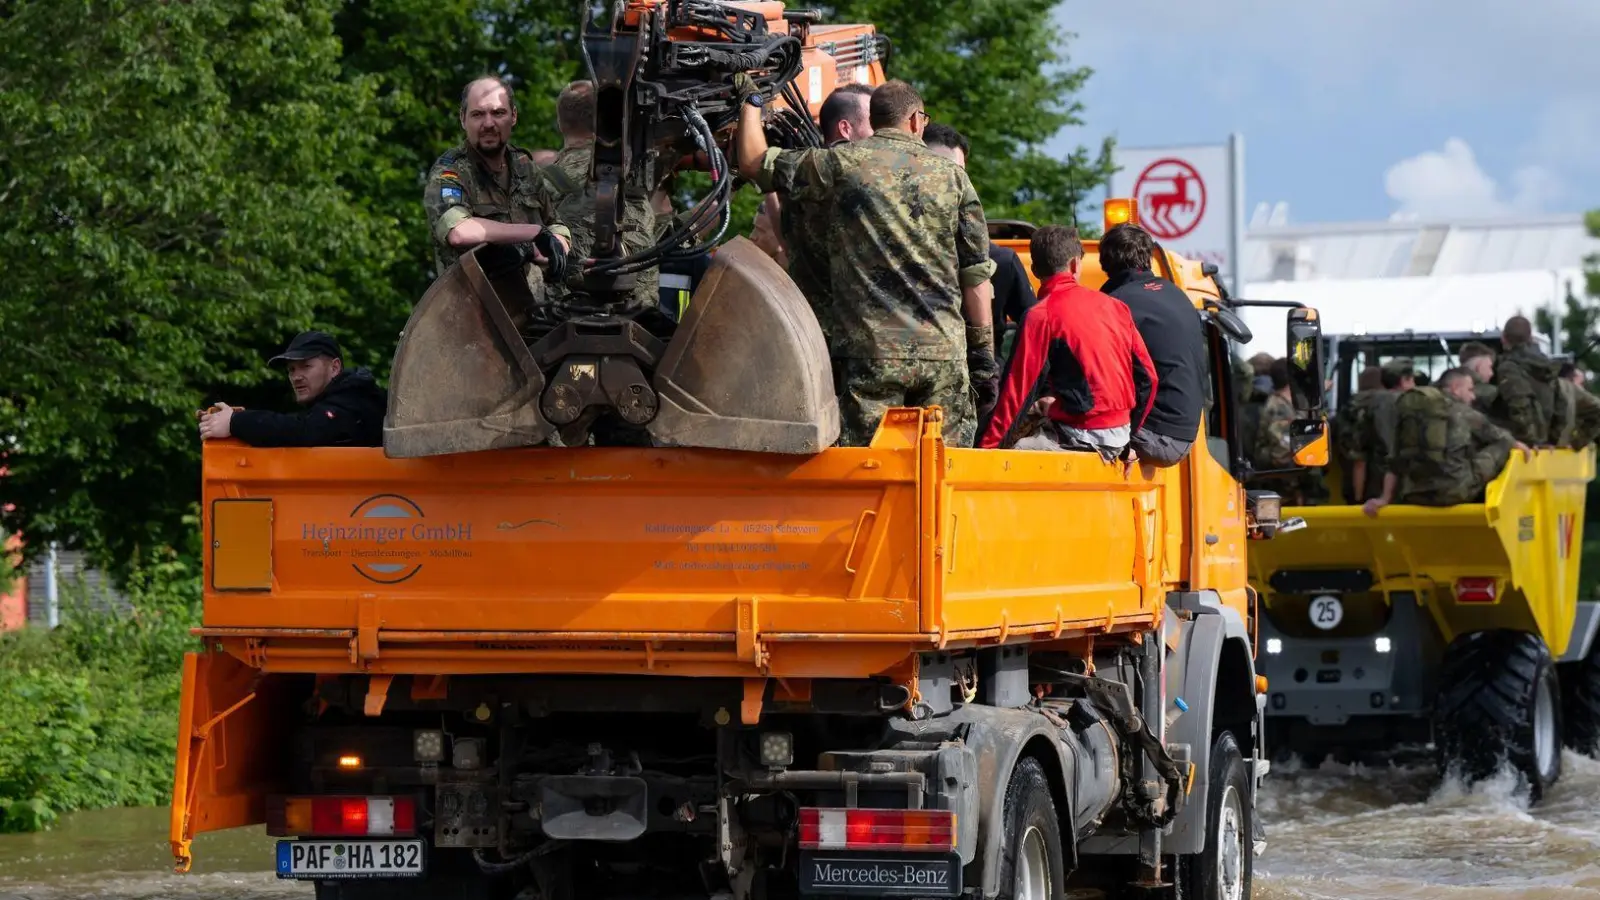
{"x":1334,"y":833}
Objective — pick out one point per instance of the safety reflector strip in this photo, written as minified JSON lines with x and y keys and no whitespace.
{"x":915,"y":830}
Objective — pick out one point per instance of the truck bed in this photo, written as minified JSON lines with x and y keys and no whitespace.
{"x":1527,"y":535}
{"x":683,"y":562}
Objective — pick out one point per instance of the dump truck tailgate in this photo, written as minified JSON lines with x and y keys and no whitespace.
{"x":1526,"y":535}
{"x":598,"y":540}
{"x":857,"y":554}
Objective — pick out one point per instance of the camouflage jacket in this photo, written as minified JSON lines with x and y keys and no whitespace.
{"x":1378,"y":434}
{"x":568,"y":181}
{"x":1445,"y":451}
{"x":908,"y":234}
{"x":1529,"y":403}
{"x":1273,"y":447}
{"x":461,"y":186}
{"x":1353,"y":423}
{"x":804,"y":227}
{"x":1585,"y":418}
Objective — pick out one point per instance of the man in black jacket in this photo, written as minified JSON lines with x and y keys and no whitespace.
{"x":342,"y":408}
{"x":1174,"y":335}
{"x":1013,"y":292}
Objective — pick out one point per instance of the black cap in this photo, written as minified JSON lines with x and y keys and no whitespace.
{"x":309,"y":345}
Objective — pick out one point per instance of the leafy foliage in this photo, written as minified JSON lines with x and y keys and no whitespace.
{"x":176,"y":177}
{"x":188,"y":184}
{"x":998,"y":71}
{"x":88,"y":712}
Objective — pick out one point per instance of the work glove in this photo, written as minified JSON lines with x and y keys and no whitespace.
{"x":555,"y":258}
{"x":744,"y":87}
{"x":982,"y":368}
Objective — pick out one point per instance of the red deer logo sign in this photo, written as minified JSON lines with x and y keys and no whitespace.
{"x":1171,"y":197}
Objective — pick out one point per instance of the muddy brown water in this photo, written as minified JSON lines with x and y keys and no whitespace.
{"x":1334,"y":833}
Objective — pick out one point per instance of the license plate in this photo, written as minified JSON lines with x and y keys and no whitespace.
{"x":882,"y":875}
{"x":351,"y":859}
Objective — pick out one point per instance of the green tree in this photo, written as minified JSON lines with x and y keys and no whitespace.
{"x":420,"y":53}
{"x":177,"y":181}
{"x":1579,"y":322}
{"x":998,"y":71}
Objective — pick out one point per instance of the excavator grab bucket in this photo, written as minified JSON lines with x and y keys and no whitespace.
{"x":748,"y":368}
{"x":463,"y":379}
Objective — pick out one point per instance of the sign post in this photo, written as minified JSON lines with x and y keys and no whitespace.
{"x":1191,"y":199}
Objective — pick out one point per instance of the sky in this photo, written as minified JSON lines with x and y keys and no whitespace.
{"x":1357,"y":109}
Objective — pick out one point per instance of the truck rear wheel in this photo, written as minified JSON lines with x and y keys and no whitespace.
{"x":1223,"y":870}
{"x":1580,"y":709}
{"x":1032,"y":866}
{"x":1499,"y":700}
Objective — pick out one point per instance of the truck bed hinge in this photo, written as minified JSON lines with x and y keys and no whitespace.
{"x":364,"y":646}
{"x":747,"y":642}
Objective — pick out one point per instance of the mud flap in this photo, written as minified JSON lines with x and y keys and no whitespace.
{"x":463,"y":379}
{"x":748,"y":368}
{"x":232,"y":747}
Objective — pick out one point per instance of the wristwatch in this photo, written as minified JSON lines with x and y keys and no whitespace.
{"x":756,"y":100}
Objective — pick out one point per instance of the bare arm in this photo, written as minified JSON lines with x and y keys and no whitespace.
{"x":976,"y":304}
{"x":474,"y":231}
{"x":751,"y":141}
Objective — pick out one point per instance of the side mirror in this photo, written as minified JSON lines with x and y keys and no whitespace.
{"x":1230,"y":324}
{"x":1308,"y":438}
{"x":1304,"y":342}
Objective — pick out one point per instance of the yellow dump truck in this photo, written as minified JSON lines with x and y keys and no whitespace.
{"x":1456,"y":626}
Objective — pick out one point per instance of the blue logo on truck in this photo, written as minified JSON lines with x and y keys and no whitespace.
{"x":397,"y":526}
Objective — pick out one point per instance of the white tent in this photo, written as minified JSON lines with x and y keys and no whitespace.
{"x":1385,"y":305}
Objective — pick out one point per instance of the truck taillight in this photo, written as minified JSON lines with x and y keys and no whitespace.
{"x":1475,"y":590}
{"x":921,"y":830}
{"x":341,"y":816}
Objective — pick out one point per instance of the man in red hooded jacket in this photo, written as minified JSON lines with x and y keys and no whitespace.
{"x":1080,"y":356}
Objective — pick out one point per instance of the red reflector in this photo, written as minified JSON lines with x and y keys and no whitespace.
{"x":1475,"y":590}
{"x":929,"y":830}
{"x":405,"y":815}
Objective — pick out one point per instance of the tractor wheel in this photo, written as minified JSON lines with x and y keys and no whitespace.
{"x":1223,"y":870}
{"x":1499,"y":701}
{"x":1580,"y":703}
{"x":1032,"y":866}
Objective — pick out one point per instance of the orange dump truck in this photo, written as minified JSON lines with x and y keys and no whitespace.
{"x":905,"y":669}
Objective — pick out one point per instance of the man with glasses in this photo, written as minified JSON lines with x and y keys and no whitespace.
{"x":909,"y":253}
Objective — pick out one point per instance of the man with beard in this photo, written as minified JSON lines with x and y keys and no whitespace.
{"x":488,"y":191}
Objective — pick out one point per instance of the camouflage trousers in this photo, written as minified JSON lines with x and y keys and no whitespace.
{"x":868,"y":388}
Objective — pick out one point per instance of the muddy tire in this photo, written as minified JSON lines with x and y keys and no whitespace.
{"x":1499,"y":700}
{"x":1225,"y":868}
{"x":1580,"y":703}
{"x":1031,"y":864}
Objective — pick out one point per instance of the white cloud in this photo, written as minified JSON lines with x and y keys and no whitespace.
{"x":1449,"y":183}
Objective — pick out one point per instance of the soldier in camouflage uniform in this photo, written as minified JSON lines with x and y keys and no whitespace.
{"x":1478,"y":359}
{"x":1274,"y":448}
{"x":1532,"y":404}
{"x":804,"y":226}
{"x":1447,"y":451}
{"x":1351,"y":424}
{"x":1586,"y":409}
{"x":909,"y":252}
{"x":567,"y":179}
{"x":488,"y":191}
